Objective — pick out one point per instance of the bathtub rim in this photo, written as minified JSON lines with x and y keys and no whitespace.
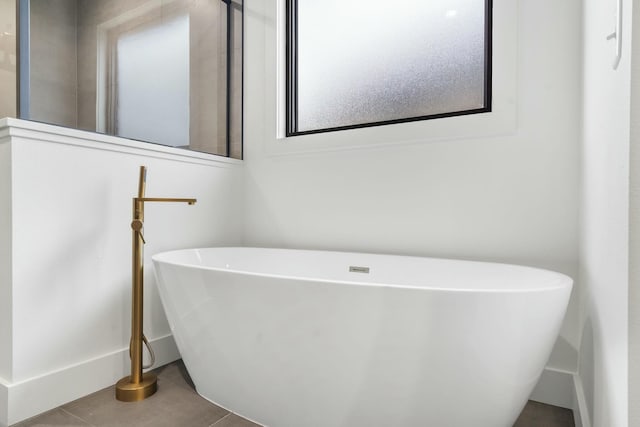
{"x":558,"y":282}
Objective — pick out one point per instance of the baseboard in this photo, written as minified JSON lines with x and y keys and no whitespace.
{"x":555,"y":387}
{"x":25,"y":399}
{"x":564,"y":389}
{"x":580,"y":409}
{"x":4,"y":401}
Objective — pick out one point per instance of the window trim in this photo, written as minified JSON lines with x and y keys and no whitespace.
{"x":291,"y":87}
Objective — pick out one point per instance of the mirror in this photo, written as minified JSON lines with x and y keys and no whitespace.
{"x":161,"y":71}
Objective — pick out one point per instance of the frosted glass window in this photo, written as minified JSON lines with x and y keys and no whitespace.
{"x":367,"y":62}
{"x":153,"y":76}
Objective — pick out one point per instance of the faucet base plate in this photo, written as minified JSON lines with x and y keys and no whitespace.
{"x":126,"y":391}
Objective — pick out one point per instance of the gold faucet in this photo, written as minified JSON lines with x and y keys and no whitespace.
{"x":139,"y":386}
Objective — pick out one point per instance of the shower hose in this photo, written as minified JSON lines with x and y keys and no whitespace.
{"x":151,"y":353}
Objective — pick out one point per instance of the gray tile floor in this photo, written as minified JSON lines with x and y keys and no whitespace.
{"x":178,"y":405}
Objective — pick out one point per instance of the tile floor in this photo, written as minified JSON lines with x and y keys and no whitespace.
{"x":178,"y":405}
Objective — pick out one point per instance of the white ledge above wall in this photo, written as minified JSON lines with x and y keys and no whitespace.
{"x":63,"y":135}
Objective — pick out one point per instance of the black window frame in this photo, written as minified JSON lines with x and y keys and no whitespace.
{"x":291,"y":67}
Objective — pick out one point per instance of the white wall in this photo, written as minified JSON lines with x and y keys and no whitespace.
{"x":71,"y":284}
{"x":5,"y":256}
{"x":634,"y":228}
{"x":432,"y":188}
{"x":603,"y":367}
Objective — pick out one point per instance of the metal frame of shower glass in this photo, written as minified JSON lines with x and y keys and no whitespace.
{"x":291,"y":71}
{"x":230,"y":4}
{"x":23,"y":66}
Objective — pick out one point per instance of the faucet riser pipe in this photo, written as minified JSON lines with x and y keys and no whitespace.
{"x":137,"y":298}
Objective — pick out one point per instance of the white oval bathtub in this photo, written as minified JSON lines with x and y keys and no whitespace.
{"x":292,"y":338}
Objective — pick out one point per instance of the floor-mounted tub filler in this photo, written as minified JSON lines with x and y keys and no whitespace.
{"x":292,"y":338}
{"x":138,"y":386}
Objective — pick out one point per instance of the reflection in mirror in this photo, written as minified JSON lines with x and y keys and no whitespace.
{"x":162,"y":71}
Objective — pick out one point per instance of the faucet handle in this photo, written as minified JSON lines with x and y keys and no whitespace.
{"x":137,"y":226}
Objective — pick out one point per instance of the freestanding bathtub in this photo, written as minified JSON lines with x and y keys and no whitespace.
{"x":291,"y":338}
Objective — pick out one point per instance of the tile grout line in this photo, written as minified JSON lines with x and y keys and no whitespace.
{"x":228,"y":413}
{"x":75,"y":416}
